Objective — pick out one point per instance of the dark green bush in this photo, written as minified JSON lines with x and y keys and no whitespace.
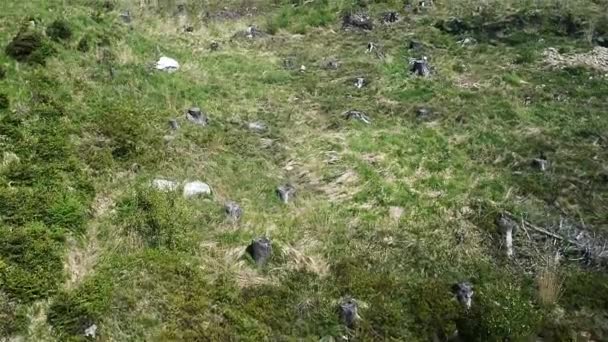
{"x":59,"y":30}
{"x":29,"y":46}
{"x":155,"y":217}
{"x":83,"y":44}
{"x":4,"y":101}
{"x":33,"y":256}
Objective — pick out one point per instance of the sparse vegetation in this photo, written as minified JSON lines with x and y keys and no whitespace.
{"x":387,"y":209}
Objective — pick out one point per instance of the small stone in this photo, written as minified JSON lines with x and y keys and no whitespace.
{"x":424,"y":114}
{"x":396,"y":213}
{"x":253,"y":32}
{"x":357,"y":115}
{"x":420,"y":67}
{"x":286,"y":193}
{"x":173,"y":124}
{"x":260,"y":250}
{"x":196,"y":116}
{"x":91,"y":331}
{"x":135,"y":168}
{"x":371,"y":47}
{"x":126,"y":17}
{"x":257,"y":127}
{"x":302,"y":68}
{"x":289,"y":63}
{"x":164,"y":185}
{"x":332,"y":64}
{"x":541,"y":163}
{"x":390,"y":17}
{"x":266,"y":143}
{"x":360,"y":82}
{"x":195,"y":189}
{"x":233,"y":210}
{"x":467,"y":41}
{"x":464,"y":293}
{"x":415,"y":45}
{"x":349,"y":312}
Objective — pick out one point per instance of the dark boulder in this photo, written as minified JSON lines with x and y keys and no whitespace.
{"x":349,"y":312}
{"x":464,"y":293}
{"x":260,"y":250}
{"x":420,"y":67}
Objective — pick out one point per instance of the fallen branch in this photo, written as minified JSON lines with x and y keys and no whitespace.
{"x":542,"y":230}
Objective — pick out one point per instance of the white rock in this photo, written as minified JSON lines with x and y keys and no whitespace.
{"x":91,"y":331}
{"x":258,"y":127}
{"x":193,"y":189}
{"x":167,"y":64}
{"x":164,"y":185}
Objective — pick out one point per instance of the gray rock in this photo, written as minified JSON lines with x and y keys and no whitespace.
{"x":424,"y":114}
{"x":126,"y":17}
{"x":357,"y":115}
{"x":541,"y":163}
{"x":349,"y":312}
{"x":253,"y":32}
{"x":507,"y":226}
{"x":467,"y":41}
{"x":464,"y":293}
{"x":164,"y":185}
{"x":420,"y":67}
{"x":233,"y":210}
{"x":257,"y":127}
{"x":196,"y":116}
{"x":332,"y":64}
{"x":286,"y":193}
{"x":173,"y":124}
{"x":195,"y":189}
{"x":360,"y":82}
{"x":91,"y":331}
{"x":371,"y":46}
{"x":260,"y":250}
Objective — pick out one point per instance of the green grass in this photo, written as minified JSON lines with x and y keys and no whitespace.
{"x":84,"y":130}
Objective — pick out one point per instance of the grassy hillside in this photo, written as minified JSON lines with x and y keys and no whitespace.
{"x":389,"y":214}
